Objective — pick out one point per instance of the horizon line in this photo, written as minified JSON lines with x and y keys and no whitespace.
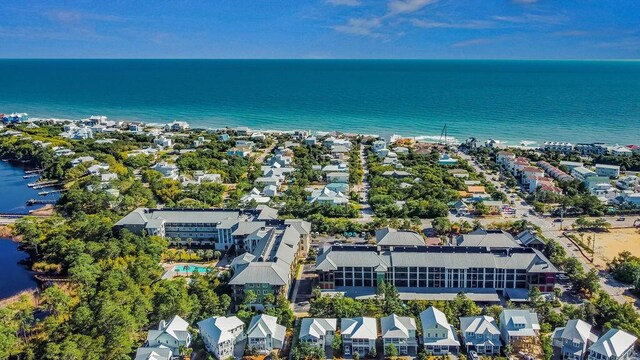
{"x":316,"y":59}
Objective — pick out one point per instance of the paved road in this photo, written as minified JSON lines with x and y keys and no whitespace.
{"x":365,"y":209}
{"x":551,"y":229}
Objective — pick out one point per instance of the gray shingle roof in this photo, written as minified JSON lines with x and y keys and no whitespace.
{"x":392,"y":237}
{"x":488,"y":238}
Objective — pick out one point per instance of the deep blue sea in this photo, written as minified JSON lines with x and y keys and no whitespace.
{"x":575,"y":101}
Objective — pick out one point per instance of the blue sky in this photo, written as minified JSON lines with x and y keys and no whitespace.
{"x":467,"y":29}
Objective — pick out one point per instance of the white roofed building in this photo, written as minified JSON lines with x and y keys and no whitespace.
{"x":265,"y":334}
{"x":221,"y":334}
{"x":438,"y":336}
{"x":318,"y":332}
{"x":358,"y":335}
{"x":573,"y":339}
{"x":173,"y":334}
{"x":480,"y":333}
{"x":400,"y":331}
{"x":614,"y":345}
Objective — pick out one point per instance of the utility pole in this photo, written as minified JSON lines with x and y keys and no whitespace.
{"x":593,"y":247}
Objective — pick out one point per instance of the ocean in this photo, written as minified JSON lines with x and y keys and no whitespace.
{"x":513,"y":101}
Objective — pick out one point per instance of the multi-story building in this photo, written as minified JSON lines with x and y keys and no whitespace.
{"x":221,"y":334}
{"x":358,"y":335}
{"x":519,"y":328}
{"x":434,"y":269}
{"x":399,"y":331}
{"x":318,"y":332}
{"x":592,"y":149}
{"x":438,"y":336}
{"x":582,"y":173}
{"x":612,"y":171}
{"x":614,"y":345}
{"x":173,"y":334}
{"x":265,"y":334}
{"x":480,"y":333}
{"x":573,"y":339}
{"x":563,"y":147}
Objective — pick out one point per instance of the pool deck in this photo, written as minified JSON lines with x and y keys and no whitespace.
{"x":169,"y":273}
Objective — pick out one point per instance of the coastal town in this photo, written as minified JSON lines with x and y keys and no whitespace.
{"x":165,"y":241}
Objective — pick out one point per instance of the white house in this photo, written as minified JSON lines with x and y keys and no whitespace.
{"x":438,"y":336}
{"x":163,"y":141}
{"x":358,"y":335}
{"x":166,"y":169}
{"x":480,"y":333}
{"x":221,"y":334}
{"x":318,"y":332}
{"x":172,"y":334}
{"x":379,"y":145}
{"x":338,"y":177}
{"x":329,"y":196}
{"x":573,"y":339}
{"x":255,"y":195}
{"x":608,"y":170}
{"x":614,"y":345}
{"x":619,"y":150}
{"x":401,"y":332}
{"x":265,"y":334}
{"x":518,"y":325}
{"x":82,"y":159}
{"x":177,"y":126}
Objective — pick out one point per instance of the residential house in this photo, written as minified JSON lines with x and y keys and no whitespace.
{"x":239,"y":151}
{"x":570,"y":165}
{"x":317,"y":331}
{"x":168,"y":170}
{"x":554,"y":172}
{"x":619,"y":150}
{"x":520,"y":329}
{"x":154,"y":353}
{"x":310,"y":141}
{"x":398,"y":174}
{"x":80,"y":160}
{"x":337,"y":177}
{"x":573,"y":339}
{"x":221,"y":334}
{"x":447,"y":160}
{"x":173,"y":334}
{"x":163,"y":141}
{"x":438,"y":336}
{"x":265,"y":334}
{"x":503,"y":157}
{"x":358,"y":335}
{"x":255,"y":196}
{"x":177,"y":126}
{"x":329,"y":196}
{"x":481,"y":334}
{"x":592,"y":149}
{"x":378,"y":145}
{"x":223,"y":137}
{"x":400,"y":331}
{"x":459,"y":173}
{"x":613,"y":345}
{"x":611,"y":171}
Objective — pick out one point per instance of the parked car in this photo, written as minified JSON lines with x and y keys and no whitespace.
{"x":473,"y":355}
{"x":621,"y":218}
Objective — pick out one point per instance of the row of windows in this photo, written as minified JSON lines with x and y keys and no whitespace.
{"x":433,"y":283}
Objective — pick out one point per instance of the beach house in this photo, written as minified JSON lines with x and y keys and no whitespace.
{"x":573,"y":339}
{"x":264,"y":334}
{"x":399,"y":331}
{"x":520,"y":329}
{"x":613,"y":345}
{"x":173,"y":334}
{"x":481,"y":334}
{"x":582,"y":173}
{"x":358,"y":335}
{"x":611,"y":171}
{"x":438,"y":336}
{"x":221,"y":334}
{"x":317,"y":331}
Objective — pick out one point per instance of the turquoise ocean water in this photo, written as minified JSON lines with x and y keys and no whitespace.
{"x":575,"y":101}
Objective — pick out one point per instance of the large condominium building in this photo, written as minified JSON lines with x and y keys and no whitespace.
{"x":426,"y":272}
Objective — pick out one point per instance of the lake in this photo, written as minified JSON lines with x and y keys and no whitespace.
{"x":14,"y":193}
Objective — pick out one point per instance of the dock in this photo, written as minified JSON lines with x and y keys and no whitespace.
{"x":39,"y":184}
{"x":49,"y":192}
{"x":40,"y":202}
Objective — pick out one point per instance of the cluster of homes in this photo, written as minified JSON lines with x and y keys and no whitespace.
{"x":225,"y":336}
{"x":598,"y":179}
{"x":268,"y":248}
{"x":336,"y":174}
{"x":530,"y":176}
{"x":487,"y":265}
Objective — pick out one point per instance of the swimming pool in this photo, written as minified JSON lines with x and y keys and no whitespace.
{"x":190,"y":269}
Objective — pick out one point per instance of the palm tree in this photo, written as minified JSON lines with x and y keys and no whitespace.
{"x":200,"y":253}
{"x":208,"y":254}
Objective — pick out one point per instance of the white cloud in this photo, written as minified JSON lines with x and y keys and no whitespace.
{"x":362,"y":27}
{"x":407,"y":6}
{"x":344,"y":2}
{"x":532,"y":18}
{"x":471,"y":24}
{"x":471,"y":42}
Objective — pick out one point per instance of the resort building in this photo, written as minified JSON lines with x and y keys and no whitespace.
{"x":399,"y":331}
{"x":592,"y":149}
{"x":174,"y":334}
{"x":481,"y":334}
{"x":438,"y":336}
{"x":611,"y":171}
{"x":582,"y":173}
{"x":487,"y":238}
{"x":573,"y":339}
{"x":387,"y":238}
{"x":619,"y":150}
{"x":358,"y":335}
{"x":520,"y":329}
{"x":614,"y":345}
{"x":435,"y":273}
{"x":563,"y":147}
{"x":264,"y":334}
{"x":318,"y":332}
{"x":221,"y":334}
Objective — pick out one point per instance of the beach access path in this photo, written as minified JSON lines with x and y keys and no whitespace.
{"x":363,"y":191}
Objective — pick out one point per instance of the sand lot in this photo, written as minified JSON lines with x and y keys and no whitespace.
{"x":610,"y":244}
